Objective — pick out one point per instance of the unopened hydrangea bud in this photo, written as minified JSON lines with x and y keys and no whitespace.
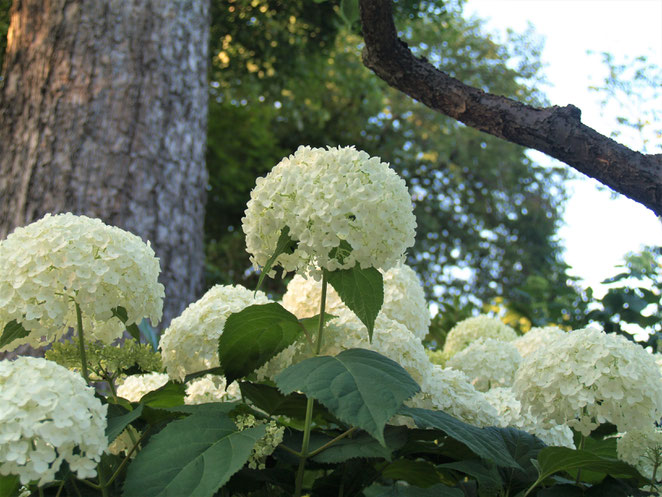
{"x":330,"y":199}
{"x":52,"y":264}
{"x":57,"y":418}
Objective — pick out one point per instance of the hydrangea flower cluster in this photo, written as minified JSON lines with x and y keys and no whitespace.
{"x":590,"y":377}
{"x":404,"y":299}
{"x":468,"y":331}
{"x":511,"y":415}
{"x":325,"y":197}
{"x":265,"y":445}
{"x":488,"y":363}
{"x":537,"y":338}
{"x":49,"y":264}
{"x":136,"y":386}
{"x":56,"y":419}
{"x":211,"y":388}
{"x":450,"y":391}
{"x":190,"y":344}
{"x":643,"y":450}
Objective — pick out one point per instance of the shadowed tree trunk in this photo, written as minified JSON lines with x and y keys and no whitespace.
{"x":103,"y":112}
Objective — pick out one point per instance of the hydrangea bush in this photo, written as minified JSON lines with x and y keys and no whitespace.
{"x":331,"y":393}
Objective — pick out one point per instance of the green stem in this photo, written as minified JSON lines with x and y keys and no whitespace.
{"x":298,"y":486}
{"x":102,"y":480}
{"x":579,"y":471}
{"x":41,"y":492}
{"x":128,"y":457}
{"x":81,"y":344}
{"x":59,"y":490}
{"x":331,"y":442}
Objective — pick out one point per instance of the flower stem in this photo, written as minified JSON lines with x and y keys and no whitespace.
{"x":309,"y":404}
{"x":81,"y":344}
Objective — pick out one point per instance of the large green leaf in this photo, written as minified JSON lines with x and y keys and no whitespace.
{"x":191,"y":457}
{"x":121,"y":314}
{"x":400,"y":490}
{"x":362,"y":290}
{"x":487,"y":443}
{"x":284,"y":245}
{"x":9,"y":485}
{"x":418,"y":473}
{"x":119,"y":418}
{"x":253,"y":336}
{"x":360,"y":387}
{"x":13,"y":330}
{"x":523,"y":447}
{"x":364,"y":446}
{"x":169,"y":395}
{"x":486,"y":474}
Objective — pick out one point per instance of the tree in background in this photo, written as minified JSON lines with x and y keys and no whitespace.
{"x":103,"y":113}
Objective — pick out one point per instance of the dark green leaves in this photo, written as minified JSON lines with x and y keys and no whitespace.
{"x":484,"y":442}
{"x":121,"y":314}
{"x":119,"y":418}
{"x":360,"y":387}
{"x":253,"y":336}
{"x":362,"y":290}
{"x":9,"y":485}
{"x":13,"y":331}
{"x":284,"y":245}
{"x":194,"y":456}
{"x":400,"y":490}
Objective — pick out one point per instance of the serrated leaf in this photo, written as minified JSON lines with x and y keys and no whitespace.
{"x":364,"y":446}
{"x":360,"y":387}
{"x":194,"y":457}
{"x":524,"y":448}
{"x":361,"y":290}
{"x":556,"y":459}
{"x":121,"y":314}
{"x":253,"y":336}
{"x":486,"y":443}
{"x":169,"y":395}
{"x":13,"y":331}
{"x":284,"y":245}
{"x":119,"y":418}
{"x":400,"y":490}
{"x":418,"y":473}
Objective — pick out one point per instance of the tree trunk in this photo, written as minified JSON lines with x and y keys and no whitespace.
{"x":103,"y":111}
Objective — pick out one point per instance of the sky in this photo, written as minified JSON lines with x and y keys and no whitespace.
{"x":598,"y":230}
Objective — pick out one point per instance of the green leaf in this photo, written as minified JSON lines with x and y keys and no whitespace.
{"x":349,"y":11}
{"x":487,"y":476}
{"x":121,"y":314}
{"x":194,"y":457}
{"x":199,"y":374}
{"x":417,"y":473}
{"x":284,"y":245}
{"x":360,"y":387}
{"x":9,"y":485}
{"x":13,"y":331}
{"x":400,"y":490}
{"x":210,"y":408}
{"x":364,"y":446}
{"x":253,"y":336}
{"x":486,"y":443}
{"x":312,"y":323}
{"x":169,"y":395}
{"x":556,"y":459}
{"x":523,"y":447}
{"x":274,"y":403}
{"x":362,"y":290}
{"x":119,"y":418}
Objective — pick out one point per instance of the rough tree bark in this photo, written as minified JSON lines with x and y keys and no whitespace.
{"x":103,"y":112}
{"x":556,"y":131}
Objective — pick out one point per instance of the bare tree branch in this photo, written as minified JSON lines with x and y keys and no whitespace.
{"x":556,"y":131}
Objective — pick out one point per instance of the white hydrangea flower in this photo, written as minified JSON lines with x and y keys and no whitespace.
{"x":536,"y":338}
{"x":211,"y":388}
{"x":404,"y":299}
{"x":190,"y":344}
{"x":590,"y":377}
{"x":390,"y":339}
{"x":325,"y":197}
{"x":136,"y":386}
{"x":511,"y":415}
{"x":46,"y":265}
{"x":643,"y":450}
{"x":488,"y":363}
{"x":48,"y":415}
{"x":471,"y":329}
{"x":449,"y":390}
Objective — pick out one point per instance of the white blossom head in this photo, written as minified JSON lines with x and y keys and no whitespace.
{"x":589,"y":377}
{"x":136,"y":386}
{"x":449,"y":390}
{"x":48,"y":415}
{"x":404,"y":299}
{"x":48,"y":265}
{"x":190,"y":343}
{"x":643,"y":450}
{"x":488,"y":363}
{"x":326,"y":197}
{"x":471,"y":329}
{"x":511,"y":415}
{"x":536,"y":338}
{"x":211,"y":388}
